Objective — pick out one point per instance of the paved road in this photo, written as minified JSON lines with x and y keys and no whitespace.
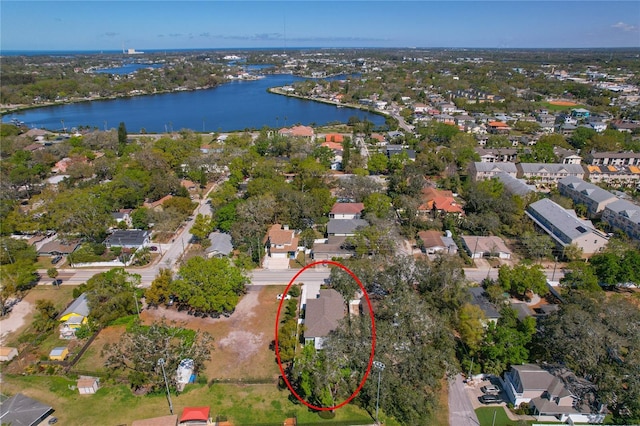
{"x":460,"y":409}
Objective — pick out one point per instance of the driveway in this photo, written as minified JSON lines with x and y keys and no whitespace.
{"x":460,"y":408}
{"x":15,"y":319}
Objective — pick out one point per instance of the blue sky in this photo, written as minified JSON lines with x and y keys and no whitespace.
{"x":100,"y":25}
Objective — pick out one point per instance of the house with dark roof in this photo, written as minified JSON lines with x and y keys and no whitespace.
{"x":479,"y":299}
{"x":344,"y":227}
{"x":58,"y":248}
{"x":330,"y":248}
{"x":322,"y":316}
{"x":581,"y":192}
{"x":20,"y":410}
{"x":565,"y":228}
{"x":128,"y":238}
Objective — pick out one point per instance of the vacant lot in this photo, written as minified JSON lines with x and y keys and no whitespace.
{"x":241,"y":342}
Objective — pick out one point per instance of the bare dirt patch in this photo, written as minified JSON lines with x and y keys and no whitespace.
{"x":563,"y":103}
{"x":92,"y":360}
{"x":241,"y":342}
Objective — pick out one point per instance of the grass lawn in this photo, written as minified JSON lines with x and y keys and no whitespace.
{"x":557,"y":108}
{"x":241,"y":404}
{"x":485,"y":416}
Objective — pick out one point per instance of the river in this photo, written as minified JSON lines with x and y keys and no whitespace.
{"x":236,"y":105}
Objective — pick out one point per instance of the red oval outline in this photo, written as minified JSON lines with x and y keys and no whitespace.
{"x":373,"y":337}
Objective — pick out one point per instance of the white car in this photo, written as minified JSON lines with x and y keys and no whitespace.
{"x":280,"y":296}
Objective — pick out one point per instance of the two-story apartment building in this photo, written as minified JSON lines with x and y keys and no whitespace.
{"x":581,"y":192}
{"x":627,"y":176}
{"x":548,"y":173}
{"x":614,"y":158}
{"x":565,"y":228}
{"x":482,"y":171}
{"x":625,"y":216}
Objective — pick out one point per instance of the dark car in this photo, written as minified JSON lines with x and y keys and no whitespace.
{"x":56,"y":259}
{"x":490,"y":399}
{"x":53,"y":420}
{"x":153,"y":248}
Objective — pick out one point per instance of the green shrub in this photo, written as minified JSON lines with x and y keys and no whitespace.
{"x":294,"y":290}
{"x":99,"y":249}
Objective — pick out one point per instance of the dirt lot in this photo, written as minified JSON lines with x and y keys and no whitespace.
{"x":241,"y":342}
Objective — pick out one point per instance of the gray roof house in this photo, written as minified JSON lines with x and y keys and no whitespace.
{"x":345,"y":227}
{"x":481,"y":171}
{"x":581,"y":192}
{"x":565,"y":228}
{"x":479,"y":247}
{"x":479,"y":299}
{"x":129,"y":238}
{"x":625,"y":216}
{"x":220,"y":245}
{"x":549,"y":172}
{"x":322,"y":316}
{"x":20,"y":410}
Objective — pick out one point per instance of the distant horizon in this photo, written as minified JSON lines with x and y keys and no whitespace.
{"x":89,"y":25}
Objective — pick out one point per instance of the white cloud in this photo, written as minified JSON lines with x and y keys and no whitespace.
{"x":625,"y":27}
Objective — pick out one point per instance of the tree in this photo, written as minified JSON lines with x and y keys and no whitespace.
{"x":122,"y":138}
{"x":140,"y":348}
{"x":580,"y":276}
{"x":537,"y":245}
{"x":160,"y":290}
{"x":45,"y":317}
{"x":201,"y":229}
{"x":209,"y":286}
{"x":377,"y":205}
{"x":470,"y":326}
{"x":520,"y":279}
{"x":377,"y":163}
{"x":111,"y":295}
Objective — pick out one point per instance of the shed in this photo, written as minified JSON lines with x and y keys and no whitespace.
{"x":59,"y":354}
{"x":195,"y":416}
{"x":171,"y":420}
{"x":88,"y":385}
{"x":7,"y":353}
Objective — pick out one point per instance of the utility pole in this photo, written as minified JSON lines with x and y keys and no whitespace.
{"x":380,"y":367}
{"x":161,"y":364}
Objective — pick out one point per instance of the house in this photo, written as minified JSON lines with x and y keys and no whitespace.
{"x":481,"y":171}
{"x":171,"y":420}
{"x":157,"y":205}
{"x":281,"y":242}
{"x":434,"y":242}
{"x":580,"y":113}
{"x":184,"y":373}
{"x":58,"y":248}
{"x":21,"y":410}
{"x":623,"y":215}
{"x":123,"y":215}
{"x":88,"y":385}
{"x":330,"y":248}
{"x":298,"y":131}
{"x":565,"y":228}
{"x":524,"y":382}
{"x":334,"y":137}
{"x":128,"y":238}
{"x":346,"y":211}
{"x":438,"y":202}
{"x":195,"y":416}
{"x":322,"y":316}
{"x":497,"y":155}
{"x":7,"y":353}
{"x":59,"y":353}
{"x":548,"y":173}
{"x":220,"y":245}
{"x":344,"y":227}
{"x":581,"y":192}
{"x":498,"y":128}
{"x":479,"y":299}
{"x":189,"y":185}
{"x":479,"y":247}
{"x":74,"y":317}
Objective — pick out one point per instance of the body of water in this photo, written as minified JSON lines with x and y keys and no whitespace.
{"x":232,"y":106}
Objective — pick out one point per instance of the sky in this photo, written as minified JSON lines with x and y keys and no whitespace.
{"x":155,"y":24}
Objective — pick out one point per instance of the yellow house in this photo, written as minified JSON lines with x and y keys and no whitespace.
{"x":74,"y":317}
{"x":59,"y":353}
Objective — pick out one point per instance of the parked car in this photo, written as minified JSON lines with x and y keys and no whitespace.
{"x":492,"y":389}
{"x":287,"y":297}
{"x":490,"y":399}
{"x":56,"y":259}
{"x":153,"y":248}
